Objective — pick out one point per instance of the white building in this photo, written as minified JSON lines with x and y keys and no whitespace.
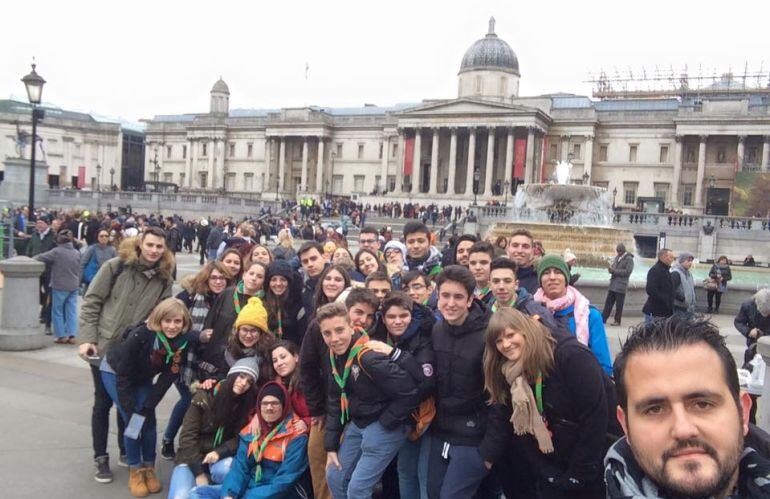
{"x":647,"y":145}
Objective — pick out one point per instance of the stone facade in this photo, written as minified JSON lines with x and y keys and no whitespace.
{"x":670,"y":148}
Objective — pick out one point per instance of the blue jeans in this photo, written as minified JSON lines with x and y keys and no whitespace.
{"x":64,"y":313}
{"x":363,"y":455}
{"x":454,"y":471}
{"x":177,"y":414}
{"x":141,"y":451}
{"x":183,"y":480}
{"x":413,"y":468}
{"x":211,"y":254}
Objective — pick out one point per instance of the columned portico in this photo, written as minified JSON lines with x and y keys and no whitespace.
{"x":508,"y":165}
{"x":452,"y":161}
{"x":490,"y":164}
{"x":401,"y":157}
{"x":677,"y":171}
{"x":416,"y":166}
{"x":319,"y":169}
{"x":529,"y":165}
{"x":471,"y":162}
{"x":303,"y":179}
{"x":589,"y":155}
{"x":701,"y":171}
{"x":281,"y":163}
{"x":434,"y":162}
{"x":384,"y":166}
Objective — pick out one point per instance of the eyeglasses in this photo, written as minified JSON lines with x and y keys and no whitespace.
{"x":217,"y":278}
{"x":249,"y":332}
{"x":367,"y":241}
{"x":104,"y":236}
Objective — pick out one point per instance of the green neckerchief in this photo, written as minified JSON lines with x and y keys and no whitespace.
{"x":480,"y":293}
{"x":495,"y":307}
{"x":170,"y":352}
{"x":342,"y":380}
{"x":539,"y":392}
{"x":263,"y":445}
{"x":220,"y":430}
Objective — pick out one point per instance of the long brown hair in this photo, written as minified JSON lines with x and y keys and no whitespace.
{"x":291,"y":347}
{"x":536,"y":356}
{"x":320,"y":297}
{"x":264,"y":352}
{"x":199,"y":283}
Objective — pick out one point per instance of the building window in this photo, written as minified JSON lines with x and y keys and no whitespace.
{"x":690,"y":157}
{"x":248,"y":181}
{"x":358,"y":183}
{"x":249,"y":149}
{"x":230,"y":182}
{"x":232,"y":150}
{"x":181,"y":179}
{"x":168,"y":177}
{"x":751,"y":155}
{"x":391,"y":183}
{"x":184,"y":152}
{"x":479,"y":84}
{"x":601,"y":183}
{"x":688,"y":194}
{"x":204,"y":150}
{"x":553,"y":152}
{"x":575,"y":151}
{"x":360,"y":151}
{"x":377,"y":184}
{"x":203,"y":176}
{"x":663,"y":154}
{"x":661,"y":191}
{"x":168,"y":152}
{"x":337,"y":184}
{"x":603,"y":152}
{"x":503,"y":86}
{"x":632,"y":153}
{"x":394,"y":153}
{"x":629,"y":192}
{"x":339,"y":150}
{"x":721,"y":154}
{"x":382,"y":146}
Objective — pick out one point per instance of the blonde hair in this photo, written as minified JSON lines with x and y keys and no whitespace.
{"x":285,"y":239}
{"x":536,"y":356}
{"x":170,"y":307}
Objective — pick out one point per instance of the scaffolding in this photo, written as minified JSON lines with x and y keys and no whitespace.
{"x":668,"y":82}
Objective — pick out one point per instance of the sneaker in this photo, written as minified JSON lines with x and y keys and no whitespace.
{"x":123,"y":461}
{"x":167,"y":450}
{"x":103,"y":474}
{"x":616,"y":323}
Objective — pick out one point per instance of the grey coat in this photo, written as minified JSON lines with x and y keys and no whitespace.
{"x":102,"y":255}
{"x":621,"y":268}
{"x":64,"y":261}
{"x":684,"y":289}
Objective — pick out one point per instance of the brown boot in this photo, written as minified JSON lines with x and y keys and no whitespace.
{"x":152,"y":482}
{"x":136,"y":483}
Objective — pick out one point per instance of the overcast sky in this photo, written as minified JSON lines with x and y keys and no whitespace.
{"x":139,"y":58}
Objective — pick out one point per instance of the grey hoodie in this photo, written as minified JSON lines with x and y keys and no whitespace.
{"x":684,"y":289}
{"x":64,"y":260}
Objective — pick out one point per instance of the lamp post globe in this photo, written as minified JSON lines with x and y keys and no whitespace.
{"x":33,"y":83}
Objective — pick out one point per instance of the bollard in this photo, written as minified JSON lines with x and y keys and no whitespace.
{"x":20,"y":327}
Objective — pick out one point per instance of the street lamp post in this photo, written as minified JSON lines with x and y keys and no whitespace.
{"x":34,"y":84}
{"x":112,"y":177}
{"x":98,"y":187}
{"x":506,"y":186}
{"x":476,"y":177}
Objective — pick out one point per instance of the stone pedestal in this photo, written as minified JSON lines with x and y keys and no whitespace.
{"x":763,"y":411}
{"x":15,"y":185}
{"x":20,"y":328}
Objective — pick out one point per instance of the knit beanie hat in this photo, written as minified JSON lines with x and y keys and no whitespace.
{"x":253,"y":314}
{"x":274,"y":390}
{"x":396,"y":245}
{"x":280,"y":268}
{"x":684,"y":256}
{"x":552,"y":262}
{"x":569,"y":255}
{"x":246,"y":365}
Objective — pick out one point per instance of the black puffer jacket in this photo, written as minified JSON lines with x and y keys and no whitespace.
{"x":660,"y":291}
{"x":377,"y":390}
{"x":314,"y":369}
{"x":527,"y":277}
{"x":292,"y":312}
{"x":461,"y":408}
{"x":221,"y":318}
{"x":417,"y":356}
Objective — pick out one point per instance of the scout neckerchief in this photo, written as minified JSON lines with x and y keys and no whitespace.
{"x":257,"y":448}
{"x":279,"y":332}
{"x":220,"y":430}
{"x":171,"y":354}
{"x":239,"y":289}
{"x":359,"y":345}
{"x":495,"y":307}
{"x":479,"y":294}
{"x":539,"y":392}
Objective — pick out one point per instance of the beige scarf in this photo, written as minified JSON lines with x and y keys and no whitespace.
{"x":525,"y":418}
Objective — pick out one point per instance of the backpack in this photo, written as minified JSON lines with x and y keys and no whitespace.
{"x":90,"y":270}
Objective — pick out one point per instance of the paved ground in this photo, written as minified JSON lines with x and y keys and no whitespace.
{"x":45,"y":449}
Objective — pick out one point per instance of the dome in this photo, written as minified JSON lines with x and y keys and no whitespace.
{"x":490,"y":53}
{"x":221,"y":86}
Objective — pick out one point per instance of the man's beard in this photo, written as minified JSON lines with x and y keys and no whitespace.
{"x":704,"y":488}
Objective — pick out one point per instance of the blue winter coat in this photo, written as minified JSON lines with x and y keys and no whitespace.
{"x":597,"y":337}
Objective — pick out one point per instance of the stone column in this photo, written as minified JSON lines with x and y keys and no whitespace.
{"x":701,"y":172}
{"x":303,"y":180}
{"x":529,"y":166}
{"x":565,"y":148}
{"x":211,"y":150}
{"x":434,"y":162}
{"x":384,"y":166}
{"x":87,"y":163}
{"x":588,"y":158}
{"x":400,"y":163}
{"x":319,"y":169}
{"x":471,"y":161}
{"x":193,"y":164}
{"x":766,"y":153}
{"x":281,"y":162}
{"x":741,"y":150}
{"x":188,"y":163}
{"x":19,"y":325}
{"x":263,"y":183}
{"x":416,"y":161}
{"x":678,"y":147}
{"x":450,"y":186}
{"x":508,"y":171}
{"x":490,"y":166}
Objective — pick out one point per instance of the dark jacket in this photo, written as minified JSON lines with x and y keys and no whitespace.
{"x":416,"y":356}
{"x":527,"y":277}
{"x":220,"y":319}
{"x":660,"y":291}
{"x":215,"y":238}
{"x":722,"y":274}
{"x":377,"y":390}
{"x":621,"y":268}
{"x":138,"y":359}
{"x":199,"y":433}
{"x":293,"y":322}
{"x":461,"y":408}
{"x":526,"y":304}
{"x":314,"y":369}
{"x":749,"y":318}
{"x":64,"y":262}
{"x":579,"y":408}
{"x":37,"y":244}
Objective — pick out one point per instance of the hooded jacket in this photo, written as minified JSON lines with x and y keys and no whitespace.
{"x":429,"y":265}
{"x":123,"y":293}
{"x":684,"y":288}
{"x":626,"y":480}
{"x":660,"y":291}
{"x":413,"y":350}
{"x":378,"y":389}
{"x":293,"y":324}
{"x":461,"y":408}
{"x":64,"y":262}
{"x":528,"y":280}
{"x":284,"y":460}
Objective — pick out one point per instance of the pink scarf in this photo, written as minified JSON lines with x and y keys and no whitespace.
{"x":580,"y":309}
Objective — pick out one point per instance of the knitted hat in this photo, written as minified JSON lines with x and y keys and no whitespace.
{"x":246,"y":365}
{"x":396,"y":245}
{"x":281,"y":268}
{"x":684,"y":256}
{"x":272,"y":389}
{"x":552,"y":262}
{"x":569,"y":255}
{"x":253,"y":314}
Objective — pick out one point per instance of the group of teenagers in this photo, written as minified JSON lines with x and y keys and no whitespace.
{"x":413,"y":379}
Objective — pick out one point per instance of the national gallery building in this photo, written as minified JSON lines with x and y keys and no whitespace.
{"x":682,"y":148}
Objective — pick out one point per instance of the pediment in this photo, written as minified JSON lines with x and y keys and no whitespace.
{"x":465,"y":107}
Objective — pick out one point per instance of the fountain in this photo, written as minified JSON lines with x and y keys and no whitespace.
{"x":562,"y":215}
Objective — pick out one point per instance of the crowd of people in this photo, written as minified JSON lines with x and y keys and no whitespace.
{"x":403,"y":370}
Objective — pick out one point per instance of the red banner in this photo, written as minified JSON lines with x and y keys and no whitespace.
{"x":81,"y":177}
{"x":519,"y":157}
{"x":408,"y":155}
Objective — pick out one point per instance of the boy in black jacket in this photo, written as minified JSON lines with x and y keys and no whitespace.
{"x":370,"y":398}
{"x":455,"y":468}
